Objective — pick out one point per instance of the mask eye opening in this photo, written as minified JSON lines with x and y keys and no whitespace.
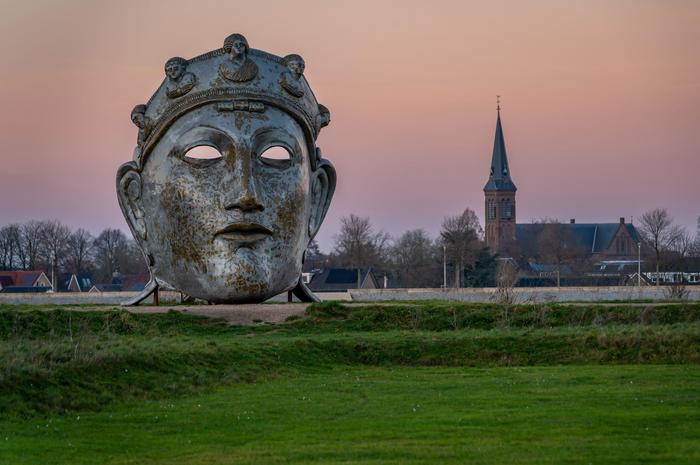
{"x":202,"y":153}
{"x":277,"y":155}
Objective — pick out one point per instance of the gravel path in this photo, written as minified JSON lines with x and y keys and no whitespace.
{"x":232,"y":314}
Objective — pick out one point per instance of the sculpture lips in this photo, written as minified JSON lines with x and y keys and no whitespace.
{"x":244,"y":232}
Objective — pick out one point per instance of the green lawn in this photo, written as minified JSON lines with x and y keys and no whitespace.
{"x":432,"y":383}
{"x":535,"y":415}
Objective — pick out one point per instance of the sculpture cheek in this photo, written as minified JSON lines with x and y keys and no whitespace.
{"x":182,"y":229}
{"x":290,"y":215}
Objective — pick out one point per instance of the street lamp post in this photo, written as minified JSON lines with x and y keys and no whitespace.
{"x":444,"y":266}
{"x":639,"y":265}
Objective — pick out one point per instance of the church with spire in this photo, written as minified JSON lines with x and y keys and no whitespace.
{"x":499,"y":193}
{"x":506,"y":238}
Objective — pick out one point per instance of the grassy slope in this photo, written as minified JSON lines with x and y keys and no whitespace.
{"x":353,"y":385}
{"x":519,"y":415}
{"x":57,"y":361}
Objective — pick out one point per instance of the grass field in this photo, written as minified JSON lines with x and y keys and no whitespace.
{"x":425,"y":383}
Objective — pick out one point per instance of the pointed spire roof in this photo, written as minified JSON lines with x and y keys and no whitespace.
{"x":499,"y":178}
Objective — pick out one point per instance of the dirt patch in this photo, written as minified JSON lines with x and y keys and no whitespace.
{"x":232,"y":314}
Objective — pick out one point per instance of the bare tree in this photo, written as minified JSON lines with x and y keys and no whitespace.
{"x":9,"y":246}
{"x":461,"y":236}
{"x":506,"y":278}
{"x":556,"y":245}
{"x":30,"y":244}
{"x":414,"y":259}
{"x":80,"y":246}
{"x":683,"y":243}
{"x":313,"y":258}
{"x":358,"y":245}
{"x":695,"y":249}
{"x":659,"y":233}
{"x":130,"y":259}
{"x":54,"y":240}
{"x":108,"y":246}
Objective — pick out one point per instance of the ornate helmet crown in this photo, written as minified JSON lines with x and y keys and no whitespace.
{"x":235,"y":80}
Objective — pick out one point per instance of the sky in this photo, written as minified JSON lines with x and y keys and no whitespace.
{"x":600,"y":102}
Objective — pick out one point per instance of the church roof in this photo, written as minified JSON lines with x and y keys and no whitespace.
{"x":592,"y":237}
{"x":339,"y":279}
{"x":499,"y":178}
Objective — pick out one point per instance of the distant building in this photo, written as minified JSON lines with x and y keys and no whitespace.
{"x":342,"y":279}
{"x":504,"y":235}
{"x":24,"y":281}
{"x":122,"y":283}
{"x":132,"y":282}
{"x":499,"y":193}
{"x":79,"y":283}
{"x":106,"y":288}
{"x":600,"y":240}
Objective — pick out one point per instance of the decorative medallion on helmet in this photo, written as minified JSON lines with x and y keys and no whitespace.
{"x":239,"y":67}
{"x":180,"y":82}
{"x":290,"y":79}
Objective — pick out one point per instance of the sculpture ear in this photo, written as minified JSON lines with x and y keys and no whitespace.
{"x":322,"y":188}
{"x":129,"y":195}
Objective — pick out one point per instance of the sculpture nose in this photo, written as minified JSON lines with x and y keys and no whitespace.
{"x":241,"y":192}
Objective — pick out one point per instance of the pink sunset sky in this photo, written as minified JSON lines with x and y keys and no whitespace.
{"x":601,"y":101}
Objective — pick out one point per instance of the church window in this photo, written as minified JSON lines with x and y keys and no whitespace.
{"x":491,"y":207}
{"x":506,"y":210}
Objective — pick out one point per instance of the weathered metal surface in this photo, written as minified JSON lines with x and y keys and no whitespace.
{"x":234,"y":228}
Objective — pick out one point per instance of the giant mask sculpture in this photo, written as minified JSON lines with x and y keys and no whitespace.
{"x":232,"y":226}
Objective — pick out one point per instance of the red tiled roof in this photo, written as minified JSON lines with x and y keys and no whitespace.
{"x":21,"y":278}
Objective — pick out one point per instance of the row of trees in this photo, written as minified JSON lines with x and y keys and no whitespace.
{"x":457,"y":257}
{"x":669,"y":243}
{"x":54,"y":248}
{"x":413,"y":259}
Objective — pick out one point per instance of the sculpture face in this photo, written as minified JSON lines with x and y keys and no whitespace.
{"x":232,"y":226}
{"x":296,"y":67}
{"x":174,"y":70}
{"x":138,"y":119}
{"x":238,"y":48}
{"x":235,"y":226}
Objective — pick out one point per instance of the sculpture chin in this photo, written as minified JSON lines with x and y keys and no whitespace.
{"x":245,"y":277}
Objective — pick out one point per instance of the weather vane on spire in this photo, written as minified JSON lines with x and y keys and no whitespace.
{"x":498,"y":103}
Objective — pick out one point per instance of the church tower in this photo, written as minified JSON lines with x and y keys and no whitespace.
{"x":499,"y":193}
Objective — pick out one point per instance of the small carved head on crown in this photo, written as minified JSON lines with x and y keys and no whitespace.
{"x":138,"y":115}
{"x":295,"y":64}
{"x":175,"y":67}
{"x":236,"y":45}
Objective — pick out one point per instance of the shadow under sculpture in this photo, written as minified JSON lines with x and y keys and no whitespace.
{"x":231,"y":226}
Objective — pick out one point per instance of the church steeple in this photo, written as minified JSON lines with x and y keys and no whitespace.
{"x":499,"y":193}
{"x":499,"y":178}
